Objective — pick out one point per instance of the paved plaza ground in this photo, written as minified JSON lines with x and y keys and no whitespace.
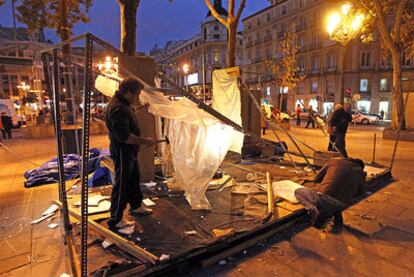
{"x":379,"y":239}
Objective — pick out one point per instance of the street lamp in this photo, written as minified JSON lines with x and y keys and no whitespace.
{"x":344,"y":26}
{"x":186,"y":69}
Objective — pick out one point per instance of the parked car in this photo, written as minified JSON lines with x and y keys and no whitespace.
{"x":364,"y":118}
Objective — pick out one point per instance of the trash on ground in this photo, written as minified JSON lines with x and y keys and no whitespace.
{"x":164,"y":257}
{"x":53,"y":225}
{"x":51,"y":210}
{"x":127,"y":230}
{"x":106,"y":243}
{"x":40,"y":219}
{"x":148,"y":202}
{"x":192,"y":232}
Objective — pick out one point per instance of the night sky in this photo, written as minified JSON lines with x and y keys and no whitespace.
{"x":158,"y":20}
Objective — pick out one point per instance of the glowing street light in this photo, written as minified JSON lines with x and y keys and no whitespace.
{"x":186,"y":69}
{"x":344,"y":26}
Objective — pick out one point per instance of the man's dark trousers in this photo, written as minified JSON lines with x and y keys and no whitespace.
{"x":340,"y":143}
{"x":126,"y":188}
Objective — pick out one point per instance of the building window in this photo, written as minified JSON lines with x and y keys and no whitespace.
{"x":301,"y":88}
{"x":330,"y":61}
{"x":301,"y":3}
{"x":363,"y":85}
{"x":384,"y":84}
{"x":216,"y":36}
{"x":258,"y":22}
{"x":365,"y":59}
{"x":315,"y":63}
{"x":268,"y":17}
{"x":406,"y":61}
{"x":314,"y":87}
{"x":302,"y":65}
{"x":205,"y":32}
{"x":14,"y":83}
{"x":267,"y":91}
{"x":302,"y":43}
{"x":283,"y":10}
{"x":216,"y":55}
{"x":216,"y":28}
{"x":5,"y":84}
{"x":330,"y":87}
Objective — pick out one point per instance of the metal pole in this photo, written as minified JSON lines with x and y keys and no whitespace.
{"x":59,"y":136}
{"x":374,"y":148}
{"x":204,"y":74}
{"x":85,"y":155}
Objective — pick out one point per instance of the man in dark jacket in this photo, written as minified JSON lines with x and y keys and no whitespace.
{"x":311,"y":119}
{"x":125,"y":139}
{"x":336,"y":184}
{"x":340,"y":121}
{"x":7,"y":125}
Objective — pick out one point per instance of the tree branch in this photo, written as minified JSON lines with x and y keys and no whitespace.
{"x":398,"y":20}
{"x":216,"y":14}
{"x":382,"y":25}
{"x":239,"y":12}
{"x":231,"y":10}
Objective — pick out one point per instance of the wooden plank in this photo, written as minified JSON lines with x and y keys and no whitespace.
{"x":242,"y":246}
{"x":121,"y":242}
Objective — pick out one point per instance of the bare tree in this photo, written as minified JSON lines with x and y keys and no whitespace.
{"x":398,"y":41}
{"x":231,"y":23}
{"x":285,"y":67}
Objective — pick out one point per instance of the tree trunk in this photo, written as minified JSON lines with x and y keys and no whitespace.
{"x":128,"y":10}
{"x":397,"y":92}
{"x":231,"y":45}
{"x":69,"y":117}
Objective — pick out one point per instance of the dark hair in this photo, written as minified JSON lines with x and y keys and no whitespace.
{"x":358,"y":162}
{"x":130,"y":84}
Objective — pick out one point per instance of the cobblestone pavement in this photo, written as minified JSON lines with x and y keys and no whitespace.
{"x":378,"y":240}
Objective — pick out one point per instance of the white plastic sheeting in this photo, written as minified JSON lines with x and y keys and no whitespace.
{"x":198,"y":141}
{"x":107,"y":86}
{"x":226,"y":100}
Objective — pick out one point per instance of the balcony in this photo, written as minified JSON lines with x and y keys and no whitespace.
{"x":267,"y":38}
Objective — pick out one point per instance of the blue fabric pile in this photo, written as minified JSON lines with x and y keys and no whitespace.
{"x":48,"y":172}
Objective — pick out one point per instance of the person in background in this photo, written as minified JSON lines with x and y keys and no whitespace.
{"x":7,"y":125}
{"x":330,"y":128}
{"x":263,"y":123}
{"x":311,"y":114}
{"x":382,"y":113}
{"x":298,"y":113}
{"x":125,"y":141}
{"x":340,"y":122}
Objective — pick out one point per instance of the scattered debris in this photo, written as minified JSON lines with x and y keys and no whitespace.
{"x":148,"y":202}
{"x":138,"y":239}
{"x":65,"y":275}
{"x":94,"y":200}
{"x":106,"y":243}
{"x":192,"y":232}
{"x":40,"y":219}
{"x":51,"y":210}
{"x":222,"y":262}
{"x":150,"y":184}
{"x":222,"y":232}
{"x":53,"y":225}
{"x":127,"y":230}
{"x":244,"y":252}
{"x":164,"y":257}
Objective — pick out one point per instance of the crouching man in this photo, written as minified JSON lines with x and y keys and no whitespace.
{"x":125,"y":139}
{"x":336,"y":184}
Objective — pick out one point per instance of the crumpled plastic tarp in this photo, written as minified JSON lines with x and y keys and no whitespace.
{"x":226,"y":100}
{"x":48,"y":172}
{"x":198,"y":143}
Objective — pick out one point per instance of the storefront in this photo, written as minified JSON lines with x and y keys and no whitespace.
{"x":327,"y":108}
{"x":364,"y":106}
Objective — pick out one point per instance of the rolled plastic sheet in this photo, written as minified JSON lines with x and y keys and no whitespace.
{"x":198,"y":143}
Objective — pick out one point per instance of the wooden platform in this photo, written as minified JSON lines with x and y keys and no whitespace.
{"x":174,"y":235}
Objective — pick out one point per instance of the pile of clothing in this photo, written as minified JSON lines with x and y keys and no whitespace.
{"x":48,"y":172}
